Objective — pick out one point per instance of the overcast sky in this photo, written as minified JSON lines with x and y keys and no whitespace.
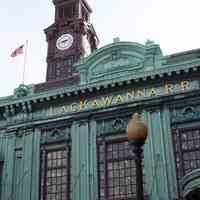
{"x":174,"y":24}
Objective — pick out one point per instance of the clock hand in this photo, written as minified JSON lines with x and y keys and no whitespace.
{"x":64,"y":41}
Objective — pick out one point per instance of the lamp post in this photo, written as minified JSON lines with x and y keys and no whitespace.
{"x":137,"y":133}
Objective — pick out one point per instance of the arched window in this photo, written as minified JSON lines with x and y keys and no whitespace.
{"x":194,"y":195}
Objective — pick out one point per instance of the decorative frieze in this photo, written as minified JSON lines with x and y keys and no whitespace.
{"x":125,"y":96}
{"x":109,"y":126}
{"x":16,"y":113}
{"x":188,"y":113}
{"x":55,"y":135}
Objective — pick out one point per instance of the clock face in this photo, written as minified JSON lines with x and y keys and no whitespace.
{"x":64,"y":42}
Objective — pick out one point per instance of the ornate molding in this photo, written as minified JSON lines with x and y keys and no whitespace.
{"x":188,"y":113}
{"x":24,"y":131}
{"x":191,"y":182}
{"x":22,"y":91}
{"x":55,"y":135}
{"x":82,"y":89}
{"x":112,"y":126}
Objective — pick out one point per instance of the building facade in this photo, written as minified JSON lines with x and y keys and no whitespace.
{"x":66,"y":138}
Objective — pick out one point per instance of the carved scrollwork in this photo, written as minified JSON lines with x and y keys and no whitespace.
{"x":188,"y":113}
{"x":118,"y":124}
{"x":21,"y":91}
{"x":54,"y":135}
{"x":112,"y":126}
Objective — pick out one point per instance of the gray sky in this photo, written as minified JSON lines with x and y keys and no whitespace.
{"x":174,"y":24}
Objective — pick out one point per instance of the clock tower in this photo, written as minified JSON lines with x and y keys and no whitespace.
{"x":69,"y":38}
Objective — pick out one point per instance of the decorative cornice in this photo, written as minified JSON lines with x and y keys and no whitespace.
{"x":89,"y":88}
{"x":24,"y":98}
{"x":139,"y":104}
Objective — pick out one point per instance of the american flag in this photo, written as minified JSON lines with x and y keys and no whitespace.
{"x":17,"y":51}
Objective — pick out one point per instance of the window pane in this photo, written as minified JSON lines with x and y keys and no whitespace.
{"x":187,"y":147}
{"x":55,"y":175}
{"x":116,"y":168}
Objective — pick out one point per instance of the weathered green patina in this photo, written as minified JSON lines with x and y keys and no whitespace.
{"x":112,"y":71}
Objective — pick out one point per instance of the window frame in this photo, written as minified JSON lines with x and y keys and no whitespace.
{"x":106,"y":140}
{"x":178,"y":129}
{"x":63,"y":10}
{"x":54,"y":147}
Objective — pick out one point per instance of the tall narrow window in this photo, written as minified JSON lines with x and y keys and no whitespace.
{"x":58,"y":70}
{"x":55,"y":174}
{"x":61,"y":12}
{"x":116,"y":169}
{"x":187,"y":150}
{"x":69,"y":10}
{"x":68,"y":62}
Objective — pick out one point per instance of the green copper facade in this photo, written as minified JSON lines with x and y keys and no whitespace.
{"x":116,"y":80}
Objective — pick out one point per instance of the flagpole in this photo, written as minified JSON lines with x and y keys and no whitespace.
{"x":25,"y":61}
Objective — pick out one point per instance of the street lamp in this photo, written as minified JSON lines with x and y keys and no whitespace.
{"x":137,"y":133}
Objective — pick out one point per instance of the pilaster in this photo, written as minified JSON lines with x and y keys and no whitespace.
{"x":7,"y":144}
{"x":20,"y":150}
{"x":159,"y":158}
{"x":80,"y":160}
{"x":84,"y":166}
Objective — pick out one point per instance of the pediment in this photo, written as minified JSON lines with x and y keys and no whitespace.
{"x":112,"y":61}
